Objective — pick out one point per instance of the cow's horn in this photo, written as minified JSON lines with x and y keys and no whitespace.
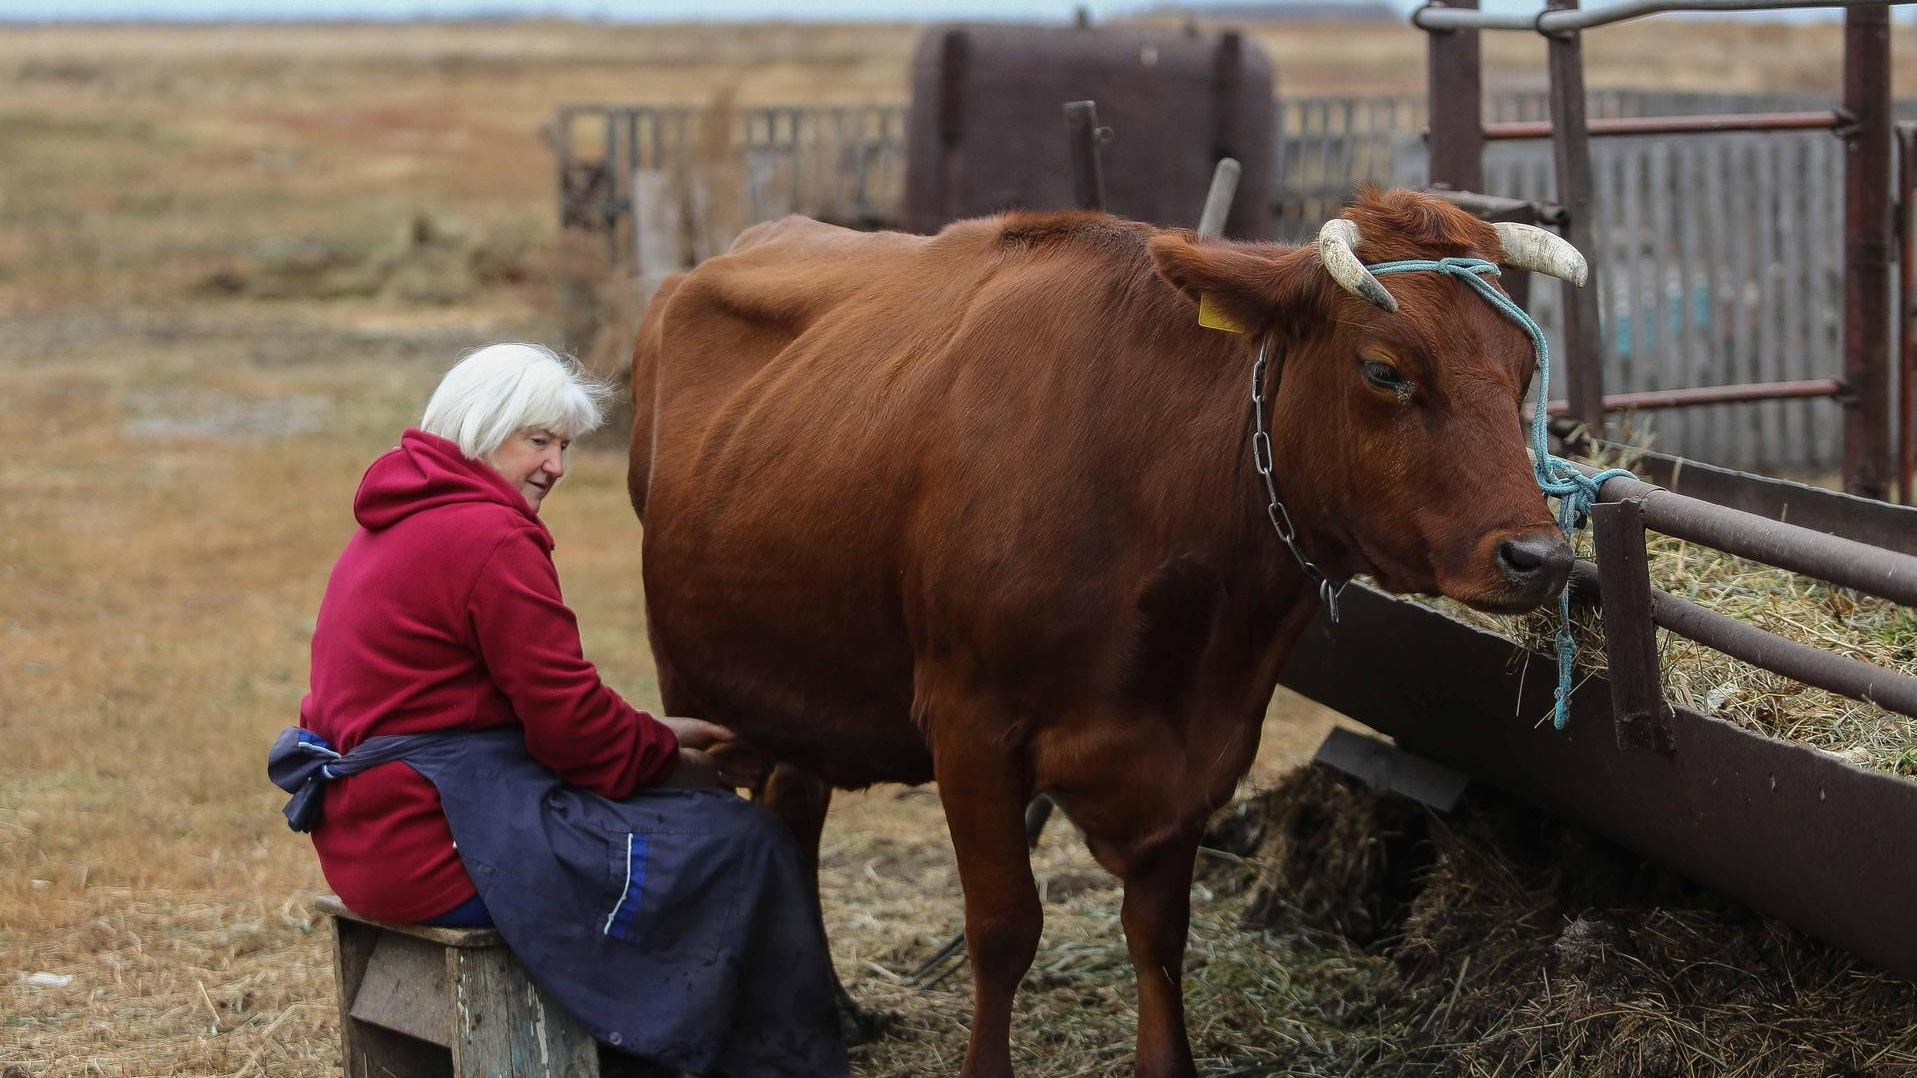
{"x":1335,"y":242}
{"x":1528,"y":247}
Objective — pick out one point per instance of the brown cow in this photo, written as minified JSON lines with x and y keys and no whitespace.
{"x":980,"y":507}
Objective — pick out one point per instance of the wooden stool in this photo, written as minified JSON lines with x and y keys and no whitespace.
{"x":411,"y":996}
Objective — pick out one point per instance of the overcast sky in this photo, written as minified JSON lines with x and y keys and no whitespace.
{"x":622,"y":10}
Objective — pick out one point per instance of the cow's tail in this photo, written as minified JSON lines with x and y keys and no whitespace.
{"x":646,"y":357}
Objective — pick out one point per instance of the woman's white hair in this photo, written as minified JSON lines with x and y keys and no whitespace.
{"x":503,"y":388}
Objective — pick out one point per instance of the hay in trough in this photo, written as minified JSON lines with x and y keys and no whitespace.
{"x":1697,"y":677}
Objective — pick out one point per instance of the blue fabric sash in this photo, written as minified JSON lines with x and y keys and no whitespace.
{"x":302,"y":762}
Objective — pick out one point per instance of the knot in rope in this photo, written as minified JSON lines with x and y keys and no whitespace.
{"x":1555,"y":476}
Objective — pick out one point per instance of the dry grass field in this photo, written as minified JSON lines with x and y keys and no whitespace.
{"x":182,"y":463}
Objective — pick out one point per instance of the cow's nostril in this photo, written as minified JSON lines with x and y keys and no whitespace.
{"x":1533,"y":558}
{"x":1522,"y":555}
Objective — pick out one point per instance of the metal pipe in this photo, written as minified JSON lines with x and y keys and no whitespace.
{"x":1799,"y":662}
{"x":1499,"y":208}
{"x":1652,"y":400}
{"x":1638,"y":709}
{"x":1576,"y":189}
{"x":1440,"y":16}
{"x":1625,"y":126}
{"x":1224,"y":188}
{"x":1454,"y":81}
{"x":1084,"y":135}
{"x":1906,"y":439}
{"x":1867,"y":248}
{"x":1879,"y":524}
{"x":1846,"y":562}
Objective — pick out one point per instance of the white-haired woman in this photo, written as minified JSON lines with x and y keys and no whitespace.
{"x":474,"y":769}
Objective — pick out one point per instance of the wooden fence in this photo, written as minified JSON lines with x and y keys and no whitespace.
{"x":672,"y":186}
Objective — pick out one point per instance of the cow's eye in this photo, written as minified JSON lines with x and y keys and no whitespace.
{"x":1385,"y":376}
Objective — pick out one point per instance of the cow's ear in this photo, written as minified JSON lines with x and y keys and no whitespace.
{"x":1252,"y":287}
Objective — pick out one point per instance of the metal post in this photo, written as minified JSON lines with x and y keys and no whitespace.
{"x":1454,"y":78}
{"x":1867,"y":247}
{"x":1907,"y":305}
{"x":1630,"y":640}
{"x":1583,"y":335}
{"x":1081,"y":128}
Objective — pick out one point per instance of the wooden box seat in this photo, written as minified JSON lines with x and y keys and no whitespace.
{"x":418,"y":1001}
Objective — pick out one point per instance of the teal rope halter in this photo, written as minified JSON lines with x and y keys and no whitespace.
{"x":1556,"y":477}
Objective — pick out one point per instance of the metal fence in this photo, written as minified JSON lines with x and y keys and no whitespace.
{"x":1326,"y":145}
{"x":1720,"y":255}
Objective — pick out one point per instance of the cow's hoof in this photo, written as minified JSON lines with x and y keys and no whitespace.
{"x":861,"y":1025}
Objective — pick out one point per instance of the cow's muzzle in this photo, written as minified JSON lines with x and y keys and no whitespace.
{"x":1534,"y":566}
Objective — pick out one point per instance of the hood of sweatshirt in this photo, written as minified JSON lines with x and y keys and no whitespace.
{"x":426,"y":472}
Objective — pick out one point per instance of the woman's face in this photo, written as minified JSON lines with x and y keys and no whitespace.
{"x":532,"y":460}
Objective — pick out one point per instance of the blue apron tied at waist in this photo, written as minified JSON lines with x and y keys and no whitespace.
{"x":673,"y":924}
{"x":302,"y":762}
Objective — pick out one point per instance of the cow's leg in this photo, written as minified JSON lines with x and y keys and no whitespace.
{"x":801,"y":799}
{"x":984,"y":794}
{"x":1156,"y":914}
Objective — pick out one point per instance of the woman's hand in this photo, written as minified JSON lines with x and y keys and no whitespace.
{"x":711,"y":755}
{"x":694,"y":770}
{"x":700,"y":734}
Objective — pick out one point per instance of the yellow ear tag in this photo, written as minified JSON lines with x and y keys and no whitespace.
{"x":1212,"y":316}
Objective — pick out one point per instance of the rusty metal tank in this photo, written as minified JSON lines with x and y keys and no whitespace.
{"x":987,"y":130}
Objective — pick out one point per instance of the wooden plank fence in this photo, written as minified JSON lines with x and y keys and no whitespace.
{"x":671,"y":186}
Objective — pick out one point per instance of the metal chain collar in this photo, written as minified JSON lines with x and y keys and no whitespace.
{"x":1280,"y":518}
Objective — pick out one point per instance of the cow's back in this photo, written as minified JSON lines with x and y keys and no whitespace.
{"x":779,"y":412}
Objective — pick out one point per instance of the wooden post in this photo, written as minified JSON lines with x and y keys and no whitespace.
{"x":1224,"y":187}
{"x":561,"y":138}
{"x":655,"y":225}
{"x":1088,"y":178}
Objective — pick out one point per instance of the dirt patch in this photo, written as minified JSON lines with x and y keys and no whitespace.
{"x":431,"y":260}
{"x":205,"y":413}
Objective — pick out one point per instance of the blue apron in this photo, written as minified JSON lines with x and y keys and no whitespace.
{"x":675,"y":924}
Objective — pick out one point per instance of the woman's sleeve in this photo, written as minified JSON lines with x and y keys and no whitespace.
{"x":529,"y":641}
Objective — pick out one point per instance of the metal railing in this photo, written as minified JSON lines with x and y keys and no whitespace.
{"x":1800,"y":833}
{"x":1459,"y":137}
{"x":1621,"y":578}
{"x":1562,"y":20}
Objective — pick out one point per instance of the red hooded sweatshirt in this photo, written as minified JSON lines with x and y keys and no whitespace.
{"x":444,"y":613}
